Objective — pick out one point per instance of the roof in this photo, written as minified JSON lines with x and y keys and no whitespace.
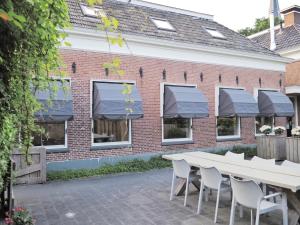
{"x":285,"y":38}
{"x":135,"y":19}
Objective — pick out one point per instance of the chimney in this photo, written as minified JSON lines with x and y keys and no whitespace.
{"x":291,"y":16}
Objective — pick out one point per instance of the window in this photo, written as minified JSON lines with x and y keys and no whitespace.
{"x":177,"y":128}
{"x":53,"y":135}
{"x":262,"y":120}
{"x":215,"y":33}
{"x":228,"y":127}
{"x":92,"y":12}
{"x":163,"y":24}
{"x":111,"y":131}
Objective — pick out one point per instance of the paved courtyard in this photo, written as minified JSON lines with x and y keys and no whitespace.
{"x":131,"y":199}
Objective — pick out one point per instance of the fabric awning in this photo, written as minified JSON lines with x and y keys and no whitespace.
{"x":57,"y":105}
{"x":184,"y":102}
{"x":275,"y":103}
{"x":237,"y":102}
{"x":110,"y":103}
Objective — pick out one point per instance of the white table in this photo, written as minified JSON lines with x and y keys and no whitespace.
{"x":283,"y":177}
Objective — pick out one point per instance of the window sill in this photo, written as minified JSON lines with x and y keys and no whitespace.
{"x":176,"y":143}
{"x":108,"y":147}
{"x":223,"y":139}
{"x":57,"y":150}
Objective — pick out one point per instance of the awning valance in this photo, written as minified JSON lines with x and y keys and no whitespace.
{"x":275,"y":103}
{"x":109,"y":102}
{"x":57,"y":105}
{"x":184,"y":102}
{"x":237,"y":102}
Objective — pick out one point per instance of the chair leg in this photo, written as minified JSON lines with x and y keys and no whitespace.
{"x":232,"y":212}
{"x":284,"y":209}
{"x":186,"y":190}
{"x":257,"y":217}
{"x":217,"y":205}
{"x":241,"y":211}
{"x":172,"y":186}
{"x":252,"y":217}
{"x":200,"y":197}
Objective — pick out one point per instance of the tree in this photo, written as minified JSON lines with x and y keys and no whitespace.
{"x":260,"y":25}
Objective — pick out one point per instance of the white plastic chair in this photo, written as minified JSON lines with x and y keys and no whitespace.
{"x":211,"y":178}
{"x":248,"y":194}
{"x":290,"y":164}
{"x":235,"y":156}
{"x":181,"y":169}
{"x":257,"y":159}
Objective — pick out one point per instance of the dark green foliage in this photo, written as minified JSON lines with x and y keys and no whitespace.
{"x":249,"y":151}
{"x":136,"y":165}
{"x":260,"y":25}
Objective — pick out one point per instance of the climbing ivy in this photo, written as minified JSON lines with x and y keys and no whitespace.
{"x":31,"y":33}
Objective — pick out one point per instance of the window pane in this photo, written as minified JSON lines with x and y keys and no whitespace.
{"x":111,"y":130}
{"x":260,"y":121}
{"x":177,"y":128}
{"x":54,"y":134}
{"x":163,"y":24}
{"x":227,"y":126}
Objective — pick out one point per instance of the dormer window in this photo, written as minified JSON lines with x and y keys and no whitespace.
{"x":163,"y":24}
{"x":215,"y":33}
{"x":92,"y":11}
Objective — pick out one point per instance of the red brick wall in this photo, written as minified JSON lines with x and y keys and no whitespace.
{"x":146,"y":132}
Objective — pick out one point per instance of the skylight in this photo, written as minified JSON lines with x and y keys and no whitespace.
{"x":163,"y":24}
{"x":92,"y":11}
{"x":215,"y":33}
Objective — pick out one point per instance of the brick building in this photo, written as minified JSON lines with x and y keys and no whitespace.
{"x":196,"y":84}
{"x":287,"y":37}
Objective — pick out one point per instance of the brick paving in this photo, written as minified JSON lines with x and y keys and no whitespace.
{"x":124,"y":199}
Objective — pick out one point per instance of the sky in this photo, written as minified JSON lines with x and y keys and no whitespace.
{"x":235,"y":14}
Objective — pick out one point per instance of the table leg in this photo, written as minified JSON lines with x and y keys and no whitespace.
{"x":180,"y":189}
{"x":293,"y":201}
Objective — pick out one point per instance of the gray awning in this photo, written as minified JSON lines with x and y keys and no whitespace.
{"x":275,"y":103}
{"x":184,"y":102}
{"x":110,"y":103}
{"x":57,"y":105}
{"x":237,"y":102}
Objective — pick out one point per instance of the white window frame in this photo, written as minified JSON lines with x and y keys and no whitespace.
{"x":66,"y":122}
{"x":295,"y":97}
{"x":229,"y":137}
{"x":129,"y":142}
{"x":172,"y":28}
{"x":215,"y":33}
{"x":255,"y":91}
{"x":100,"y":10}
{"x":116,"y":143}
{"x":57,"y":146}
{"x":162,"y":91}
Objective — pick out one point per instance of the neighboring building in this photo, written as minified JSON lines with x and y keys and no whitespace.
{"x":287,"y":38}
{"x":195,"y":85}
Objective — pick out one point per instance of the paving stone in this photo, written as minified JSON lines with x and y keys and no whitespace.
{"x":126,"y":199}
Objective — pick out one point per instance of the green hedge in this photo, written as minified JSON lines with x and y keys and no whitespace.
{"x":136,"y":165}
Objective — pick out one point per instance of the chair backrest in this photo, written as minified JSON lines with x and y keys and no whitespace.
{"x":290,"y":164}
{"x":246,"y":192}
{"x":263,"y":161}
{"x":235,"y":156}
{"x":211,"y":177}
{"x":181,"y":168}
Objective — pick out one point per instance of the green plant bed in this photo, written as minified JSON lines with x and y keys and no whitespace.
{"x":249,"y":152}
{"x":136,"y":165}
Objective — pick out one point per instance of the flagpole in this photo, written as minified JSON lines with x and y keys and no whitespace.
{"x":272,"y":29}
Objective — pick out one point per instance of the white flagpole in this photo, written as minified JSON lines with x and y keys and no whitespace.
{"x":272,"y":29}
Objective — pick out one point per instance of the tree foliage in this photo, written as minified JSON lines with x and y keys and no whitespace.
{"x":29,"y":43}
{"x":260,"y":25}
